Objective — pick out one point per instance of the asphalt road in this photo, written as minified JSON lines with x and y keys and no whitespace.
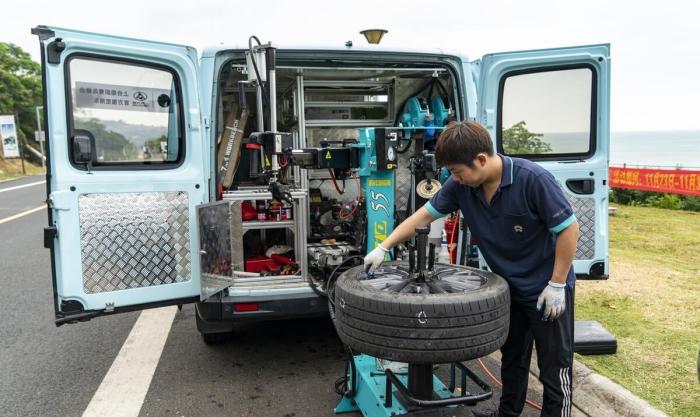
{"x":276,"y":369}
{"x":15,"y":199}
{"x":46,"y":371}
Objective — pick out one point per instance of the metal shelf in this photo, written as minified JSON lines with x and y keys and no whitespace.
{"x":349,"y":123}
{"x":270,"y":224}
{"x":256,"y":193}
{"x":348,"y":104}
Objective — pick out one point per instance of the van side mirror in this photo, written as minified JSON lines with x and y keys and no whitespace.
{"x":82,"y":149}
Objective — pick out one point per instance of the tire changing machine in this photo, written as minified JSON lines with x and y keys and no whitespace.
{"x":380,"y":388}
{"x":377,"y":390}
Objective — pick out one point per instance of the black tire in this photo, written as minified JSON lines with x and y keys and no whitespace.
{"x":462,"y":324}
{"x":216,"y":338}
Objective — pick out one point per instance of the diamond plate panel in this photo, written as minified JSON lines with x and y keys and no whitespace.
{"x":584,"y":209}
{"x":134,"y":240}
{"x":220,"y":245}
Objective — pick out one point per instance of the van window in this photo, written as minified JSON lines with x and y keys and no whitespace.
{"x":547,"y":113}
{"x":131,"y":110}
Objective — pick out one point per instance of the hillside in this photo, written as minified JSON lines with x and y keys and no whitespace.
{"x":12,"y":168}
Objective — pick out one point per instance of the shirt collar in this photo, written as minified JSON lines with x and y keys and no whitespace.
{"x":507,"y":173}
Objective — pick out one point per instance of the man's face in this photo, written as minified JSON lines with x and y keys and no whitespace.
{"x":472,"y":176}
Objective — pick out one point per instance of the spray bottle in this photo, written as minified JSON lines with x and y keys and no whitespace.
{"x":443,"y":256}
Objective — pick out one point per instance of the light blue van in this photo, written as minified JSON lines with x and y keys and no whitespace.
{"x":134,"y":130}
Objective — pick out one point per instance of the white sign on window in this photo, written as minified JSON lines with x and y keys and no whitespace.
{"x":121,"y":97}
{"x":8,"y":134}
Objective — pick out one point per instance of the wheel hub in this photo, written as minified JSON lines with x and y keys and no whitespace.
{"x":443,"y":279}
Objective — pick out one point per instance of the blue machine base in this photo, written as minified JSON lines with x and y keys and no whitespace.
{"x":371,"y":388}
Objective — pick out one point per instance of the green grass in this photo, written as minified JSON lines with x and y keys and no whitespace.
{"x":651,"y":303}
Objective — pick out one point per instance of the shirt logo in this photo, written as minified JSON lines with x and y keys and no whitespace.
{"x":518,"y":228}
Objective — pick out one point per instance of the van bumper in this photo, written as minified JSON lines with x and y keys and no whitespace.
{"x":218,"y":314}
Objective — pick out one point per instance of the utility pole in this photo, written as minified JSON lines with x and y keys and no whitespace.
{"x":41,"y":142}
{"x":19,"y":142}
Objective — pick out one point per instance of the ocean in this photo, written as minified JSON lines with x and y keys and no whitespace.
{"x":677,"y":148}
{"x":674,"y":148}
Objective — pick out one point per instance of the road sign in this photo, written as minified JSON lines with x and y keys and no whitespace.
{"x":8,"y":133}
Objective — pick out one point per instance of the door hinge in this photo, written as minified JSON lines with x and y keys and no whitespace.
{"x":54,"y":51}
{"x":488,"y":118}
{"x":206,"y":123}
{"x":59,"y":200}
{"x":50,"y":233}
{"x":109,"y":307}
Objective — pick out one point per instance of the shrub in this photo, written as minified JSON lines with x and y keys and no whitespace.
{"x":690,"y":203}
{"x":653,"y":199}
{"x":665,"y":201}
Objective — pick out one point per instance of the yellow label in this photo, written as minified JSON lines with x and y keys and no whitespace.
{"x":379,"y":183}
{"x":328,"y":154}
{"x":380,"y":231}
{"x":267,"y":161}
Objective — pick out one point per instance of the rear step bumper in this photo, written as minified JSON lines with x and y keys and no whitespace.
{"x":218,"y":315}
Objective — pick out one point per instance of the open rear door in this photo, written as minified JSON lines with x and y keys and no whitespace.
{"x":552,"y":106}
{"x":126,"y":171}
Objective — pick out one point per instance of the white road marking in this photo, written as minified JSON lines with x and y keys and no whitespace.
{"x":124,"y":388}
{"x":17,"y":187}
{"x":22,"y":214}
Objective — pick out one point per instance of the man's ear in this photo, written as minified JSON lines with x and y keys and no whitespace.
{"x":481,"y":158}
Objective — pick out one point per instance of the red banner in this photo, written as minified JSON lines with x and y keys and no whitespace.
{"x":674,"y":181}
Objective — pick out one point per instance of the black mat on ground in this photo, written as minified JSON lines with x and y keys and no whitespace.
{"x":591,"y":338}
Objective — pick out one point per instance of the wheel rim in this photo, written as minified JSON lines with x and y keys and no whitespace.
{"x":442,"y":280}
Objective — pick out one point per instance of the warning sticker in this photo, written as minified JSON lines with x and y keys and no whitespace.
{"x":328,"y":155}
{"x":121,"y":97}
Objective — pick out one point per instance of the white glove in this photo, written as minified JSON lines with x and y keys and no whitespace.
{"x":375,"y":258}
{"x":553,"y":298}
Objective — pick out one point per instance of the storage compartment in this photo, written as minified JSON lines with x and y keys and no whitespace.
{"x":323,"y":103}
{"x":272,"y":246}
{"x":269,"y":250}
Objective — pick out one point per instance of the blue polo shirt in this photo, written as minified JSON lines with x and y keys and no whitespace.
{"x":517,"y":232}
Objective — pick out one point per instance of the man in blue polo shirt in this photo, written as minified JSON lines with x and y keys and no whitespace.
{"x":527,"y":233}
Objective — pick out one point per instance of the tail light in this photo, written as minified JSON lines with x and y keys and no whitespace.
{"x":246,"y":307}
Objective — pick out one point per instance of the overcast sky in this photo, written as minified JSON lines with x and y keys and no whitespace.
{"x":655,"y":44}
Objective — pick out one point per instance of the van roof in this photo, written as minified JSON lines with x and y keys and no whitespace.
{"x":210,"y":52}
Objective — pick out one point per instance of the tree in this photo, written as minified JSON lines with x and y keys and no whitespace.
{"x":154,"y":144}
{"x":20,"y":87}
{"x":517,"y":140}
{"x":110,"y":146}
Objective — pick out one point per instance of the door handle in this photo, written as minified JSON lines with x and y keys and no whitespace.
{"x":582,"y":186}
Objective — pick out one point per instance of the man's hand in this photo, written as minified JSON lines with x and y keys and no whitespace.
{"x":375,"y":258}
{"x":553,"y":298}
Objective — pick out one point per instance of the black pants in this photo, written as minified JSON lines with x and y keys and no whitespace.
{"x":554,"y":341}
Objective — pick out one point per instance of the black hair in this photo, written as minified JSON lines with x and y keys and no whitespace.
{"x":461,"y":142}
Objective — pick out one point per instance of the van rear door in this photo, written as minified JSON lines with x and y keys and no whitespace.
{"x":552,"y":106}
{"x":125,"y":172}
